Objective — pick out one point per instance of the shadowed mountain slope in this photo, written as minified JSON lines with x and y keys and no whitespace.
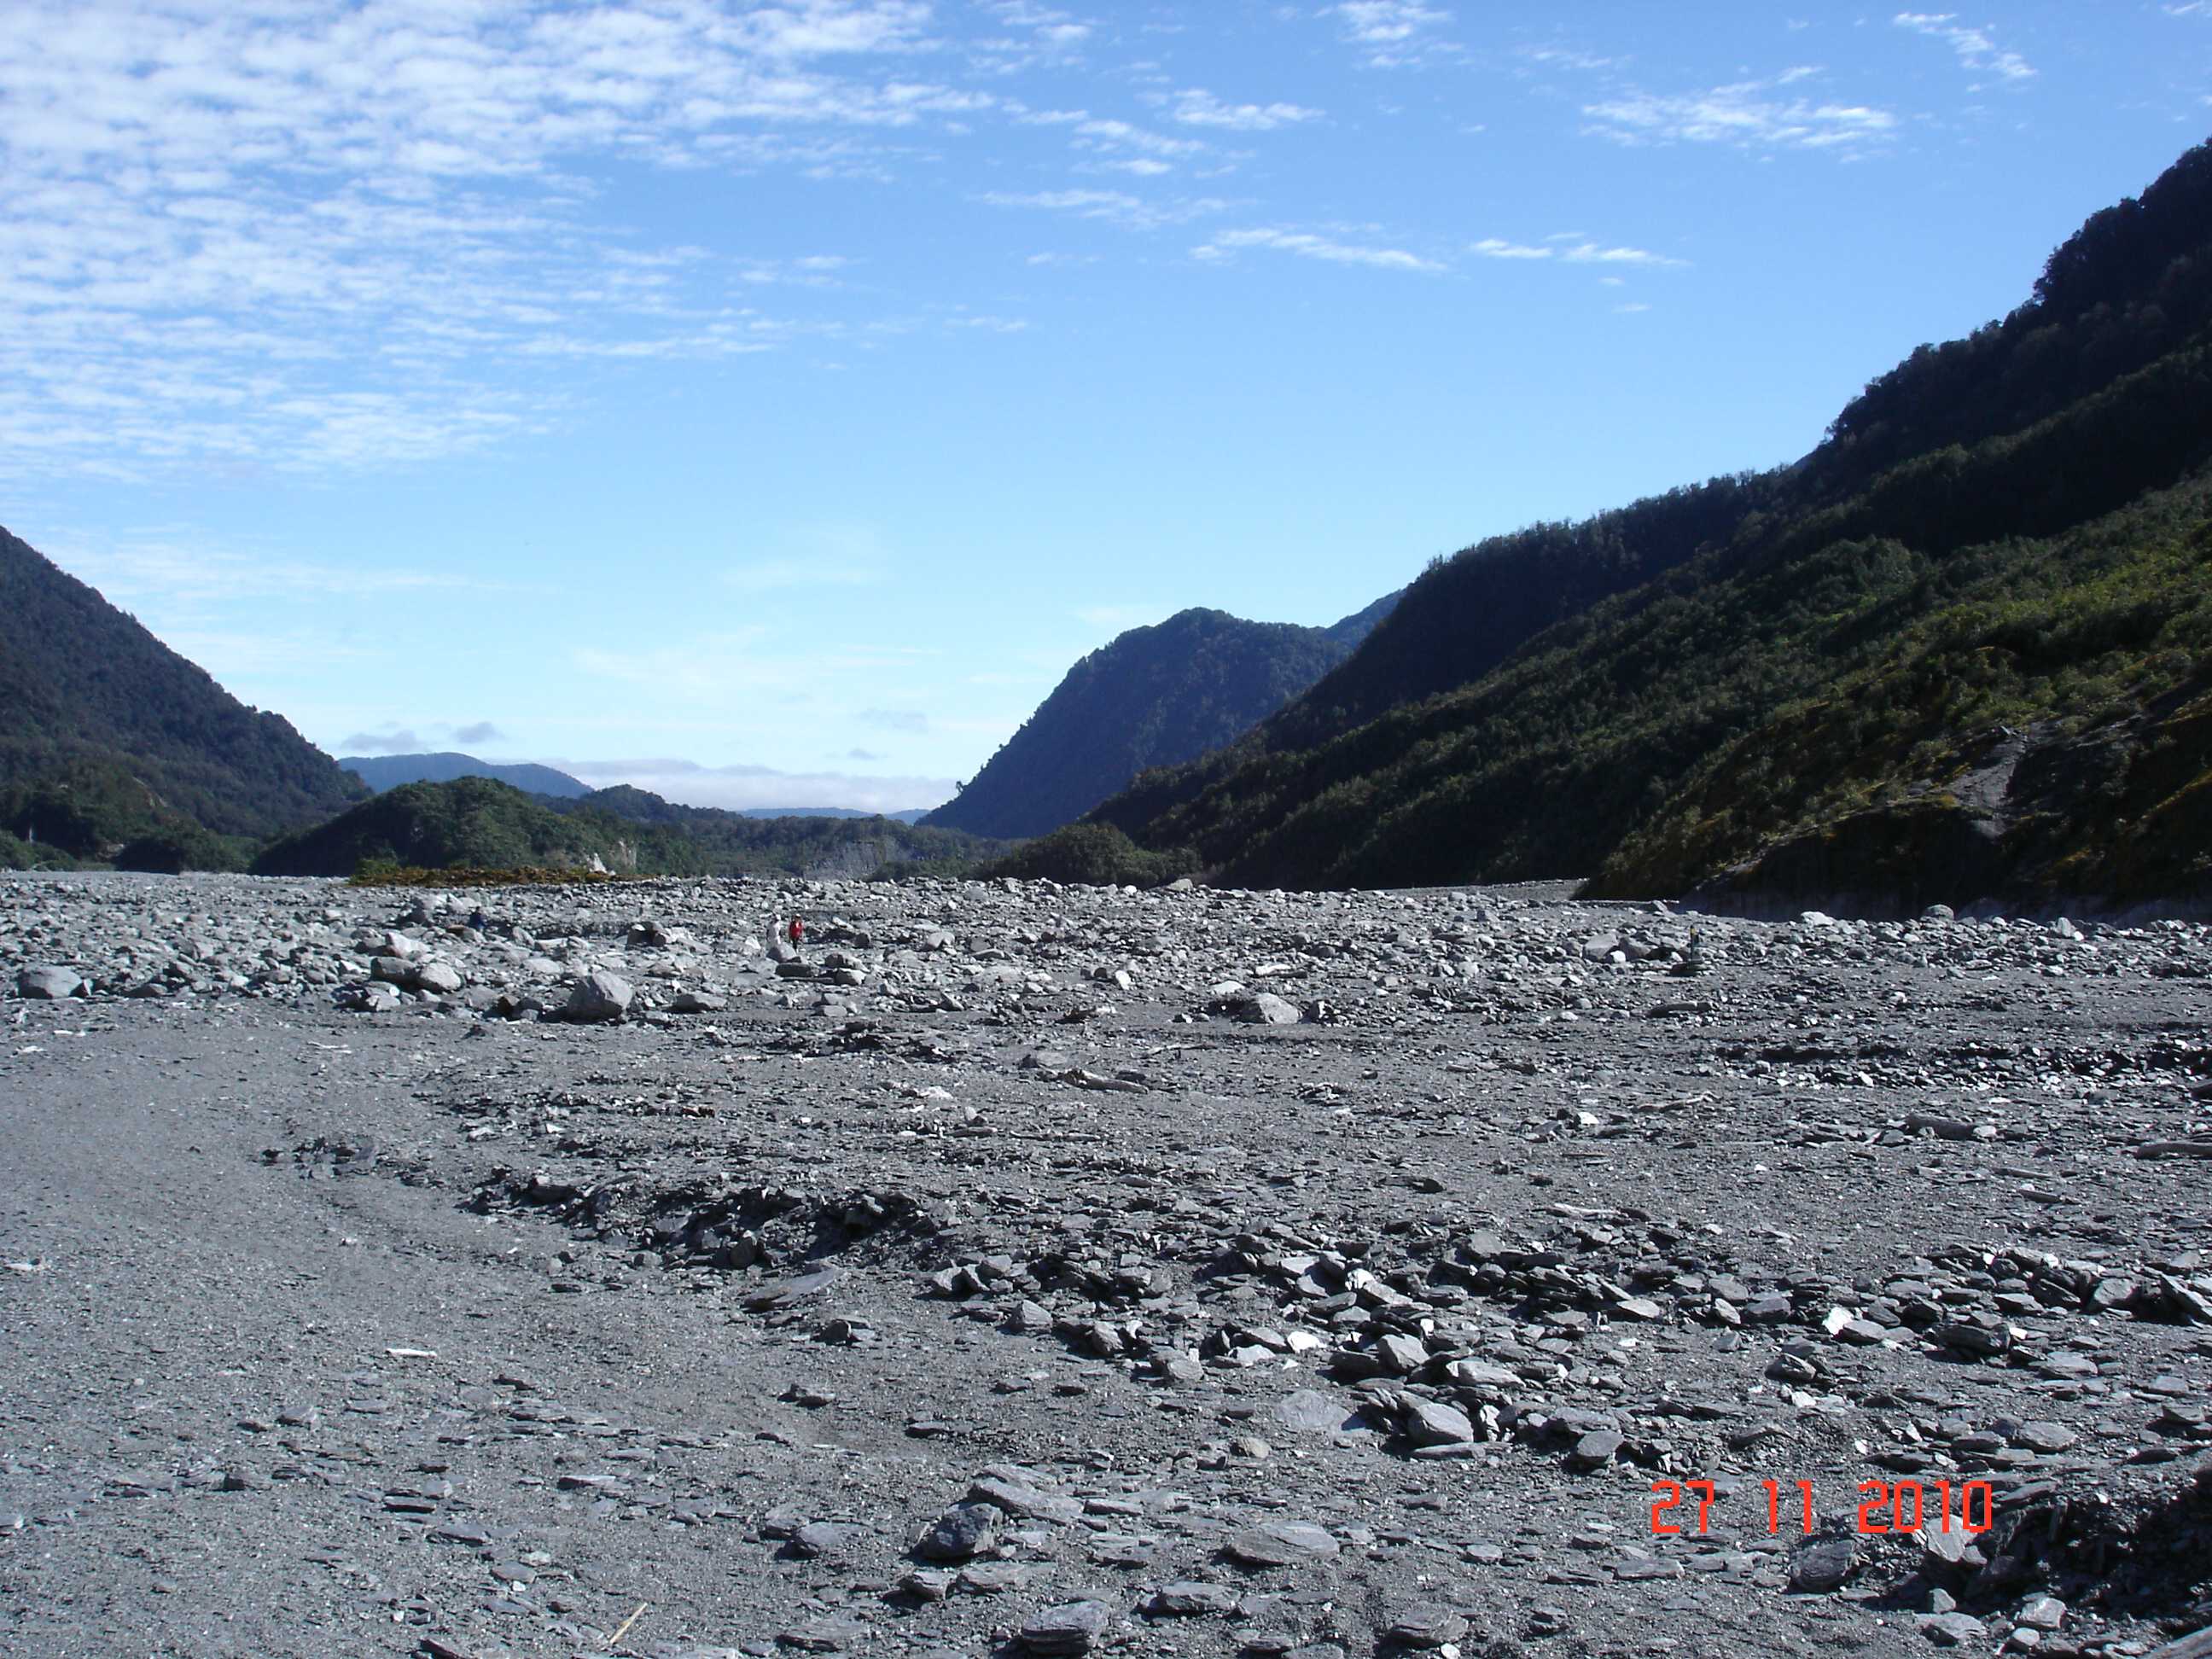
{"x":1152,"y":697}
{"x":119,"y":734}
{"x":1961,"y":649}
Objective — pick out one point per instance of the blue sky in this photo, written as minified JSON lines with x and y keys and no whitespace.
{"x":766,"y":404}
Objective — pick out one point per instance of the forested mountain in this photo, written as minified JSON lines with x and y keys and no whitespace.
{"x":1962,"y":649}
{"x":105,"y":730}
{"x":1152,"y":697}
{"x":487,"y":825}
{"x":390,"y":771}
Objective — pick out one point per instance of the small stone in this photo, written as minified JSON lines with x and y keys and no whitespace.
{"x":1280,"y":1544}
{"x":1429,"y":1423}
{"x":785,"y":1291}
{"x":963,"y":1530}
{"x":1425,"y":1624}
{"x":1187,"y":1599}
{"x":1595,"y":1449}
{"x":992,"y":1577}
{"x":1310,"y":1411}
{"x":1072,"y":1627}
{"x":1014,"y":1496}
{"x":828,"y":1634}
{"x":820,"y":1537}
{"x":1950,"y":1630}
{"x":1822,"y":1565}
{"x":2044,"y":1436}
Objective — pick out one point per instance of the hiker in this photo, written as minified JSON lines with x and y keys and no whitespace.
{"x":797,"y":932}
{"x":478,"y":920}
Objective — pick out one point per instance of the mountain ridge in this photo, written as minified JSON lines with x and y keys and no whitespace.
{"x":1845,"y":628}
{"x":1151,"y":696}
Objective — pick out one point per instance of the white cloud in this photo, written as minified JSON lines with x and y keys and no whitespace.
{"x":1567,"y":57}
{"x":1975,"y":47}
{"x":1135,"y":137}
{"x":1490,"y":247}
{"x":1034,"y":34}
{"x":1393,"y":32}
{"x":1573,"y":249}
{"x":1195,"y":106}
{"x":331,"y":233}
{"x":737,"y":788}
{"x":1117,"y":207}
{"x":1591,"y":253}
{"x":1310,"y":246}
{"x":1746,"y":114}
{"x":165,"y":575}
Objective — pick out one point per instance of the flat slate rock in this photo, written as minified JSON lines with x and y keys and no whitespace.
{"x":783,"y":1291}
{"x":1072,"y":1627}
{"x":1311,"y":1411}
{"x":1280,"y":1544}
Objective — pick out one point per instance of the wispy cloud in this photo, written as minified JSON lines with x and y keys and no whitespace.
{"x":1393,"y":34}
{"x":1117,"y":207}
{"x":1748,"y":114}
{"x":333,"y":234}
{"x":1976,"y":48}
{"x":1310,"y":246}
{"x":1197,"y":107}
{"x":1490,"y":247}
{"x":1573,"y":251}
{"x":1031,"y":34}
{"x":1567,"y":57}
{"x":478,"y":731}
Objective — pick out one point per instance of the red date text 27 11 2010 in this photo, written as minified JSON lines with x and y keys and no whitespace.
{"x":1884,"y":1506}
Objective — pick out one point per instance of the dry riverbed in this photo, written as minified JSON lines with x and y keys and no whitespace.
{"x":1031,"y":1270}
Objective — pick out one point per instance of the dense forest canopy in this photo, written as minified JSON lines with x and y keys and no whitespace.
{"x":83,"y":685}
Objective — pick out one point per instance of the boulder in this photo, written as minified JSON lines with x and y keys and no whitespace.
{"x":598,"y":997}
{"x":49,"y":984}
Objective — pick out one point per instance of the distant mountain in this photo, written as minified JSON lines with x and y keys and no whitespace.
{"x":911,"y":814}
{"x":106,"y":735}
{"x":483,"y":824}
{"x":389,"y":771}
{"x":1151,"y":696}
{"x":1962,"y":650}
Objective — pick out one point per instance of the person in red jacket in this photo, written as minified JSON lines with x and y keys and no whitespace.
{"x":797,"y":932}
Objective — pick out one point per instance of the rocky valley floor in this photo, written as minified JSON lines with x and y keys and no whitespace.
{"x":1031,"y":1270}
